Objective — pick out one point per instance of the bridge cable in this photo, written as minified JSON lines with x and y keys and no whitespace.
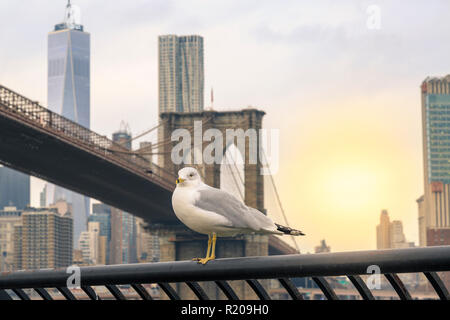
{"x":158,"y":144}
{"x":276,"y":194}
{"x":279,"y":200}
{"x":235,"y":182}
{"x":144,"y":133}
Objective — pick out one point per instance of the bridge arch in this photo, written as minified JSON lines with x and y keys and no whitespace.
{"x":232,"y":174}
{"x":247,"y":120}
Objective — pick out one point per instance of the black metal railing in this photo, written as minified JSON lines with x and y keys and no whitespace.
{"x":252,"y":270}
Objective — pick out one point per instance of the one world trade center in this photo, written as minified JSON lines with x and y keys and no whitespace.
{"x":69,"y":96}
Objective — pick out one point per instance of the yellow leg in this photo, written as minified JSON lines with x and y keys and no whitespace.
{"x":207,"y":250}
{"x":210,"y":255}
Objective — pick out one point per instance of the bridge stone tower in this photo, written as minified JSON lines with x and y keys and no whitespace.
{"x":180,"y":243}
{"x":245,"y":119}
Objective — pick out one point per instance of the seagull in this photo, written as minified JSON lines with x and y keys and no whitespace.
{"x":217,"y":213}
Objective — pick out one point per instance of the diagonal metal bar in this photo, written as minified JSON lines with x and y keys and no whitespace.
{"x":117,"y":294}
{"x":4,"y":295}
{"x":438,"y":285}
{"x":363,"y":290}
{"x":398,"y":286}
{"x":43,"y":293}
{"x":326,"y":288}
{"x":171,"y":293}
{"x":90,"y":293}
{"x":198,"y":291}
{"x":141,"y":291}
{"x":291,"y":289}
{"x":66,"y":293}
{"x":21,"y":294}
{"x":227,"y":290}
{"x":258,"y":289}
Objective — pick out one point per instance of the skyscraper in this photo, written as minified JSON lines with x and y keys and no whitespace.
{"x":181,"y":73}
{"x":14,"y":189}
{"x":434,"y":209}
{"x":390,"y":234}
{"x":69,"y":95}
{"x":93,"y":245}
{"x":123,"y":225}
{"x":147,"y":243}
{"x":101,"y":213}
{"x":10,"y":217}
{"x":383,"y":231}
{"x":44,"y":239}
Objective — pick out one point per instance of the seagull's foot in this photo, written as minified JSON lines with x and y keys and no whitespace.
{"x":205,"y":260}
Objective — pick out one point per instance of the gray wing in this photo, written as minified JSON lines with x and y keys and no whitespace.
{"x":227,"y":205}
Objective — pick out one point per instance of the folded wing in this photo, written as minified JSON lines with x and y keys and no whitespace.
{"x":235,"y":211}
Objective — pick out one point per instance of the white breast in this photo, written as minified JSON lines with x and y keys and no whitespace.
{"x":197,"y":219}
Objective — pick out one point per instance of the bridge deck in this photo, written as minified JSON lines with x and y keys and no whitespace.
{"x":44,"y":144}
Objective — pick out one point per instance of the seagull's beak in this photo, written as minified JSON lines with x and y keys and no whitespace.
{"x":179,"y":180}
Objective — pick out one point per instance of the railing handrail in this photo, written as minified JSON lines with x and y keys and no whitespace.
{"x":409,"y":260}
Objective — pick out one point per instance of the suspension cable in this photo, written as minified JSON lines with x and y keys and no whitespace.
{"x":158,"y":144}
{"x":279,"y":200}
{"x":144,"y":133}
{"x":235,"y":182}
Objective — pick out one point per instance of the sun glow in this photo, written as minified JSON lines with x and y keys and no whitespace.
{"x":349,"y":187}
{"x":347,"y":168}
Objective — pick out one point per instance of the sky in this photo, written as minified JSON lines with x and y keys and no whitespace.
{"x":344,"y":95}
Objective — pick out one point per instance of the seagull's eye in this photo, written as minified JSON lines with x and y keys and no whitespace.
{"x":191,"y":175}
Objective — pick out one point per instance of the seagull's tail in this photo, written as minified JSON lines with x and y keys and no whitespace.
{"x":289,"y":231}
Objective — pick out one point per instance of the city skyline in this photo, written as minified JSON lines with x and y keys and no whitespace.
{"x":383,"y":159}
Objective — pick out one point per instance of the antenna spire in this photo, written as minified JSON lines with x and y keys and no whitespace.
{"x":212,"y":98}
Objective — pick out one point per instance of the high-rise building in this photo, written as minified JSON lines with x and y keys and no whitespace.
{"x":115,"y":245}
{"x":123,"y":237}
{"x":390,"y":234}
{"x":181,"y":73}
{"x":421,"y":221}
{"x":123,"y":135}
{"x":147,"y":243}
{"x":14,"y":189}
{"x":69,"y":95}
{"x":398,"y":239}
{"x":383,"y":231}
{"x":93,"y":245}
{"x":146,"y":148}
{"x":101,"y":213}
{"x":396,"y":232}
{"x":10,"y":217}
{"x":69,"y":69}
{"x":45,"y":239}
{"x":43,"y":197}
{"x":18,"y":246}
{"x":123,"y":224}
{"x":436,"y":154}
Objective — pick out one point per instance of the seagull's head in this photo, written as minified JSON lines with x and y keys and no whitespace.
{"x":188,"y":177}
